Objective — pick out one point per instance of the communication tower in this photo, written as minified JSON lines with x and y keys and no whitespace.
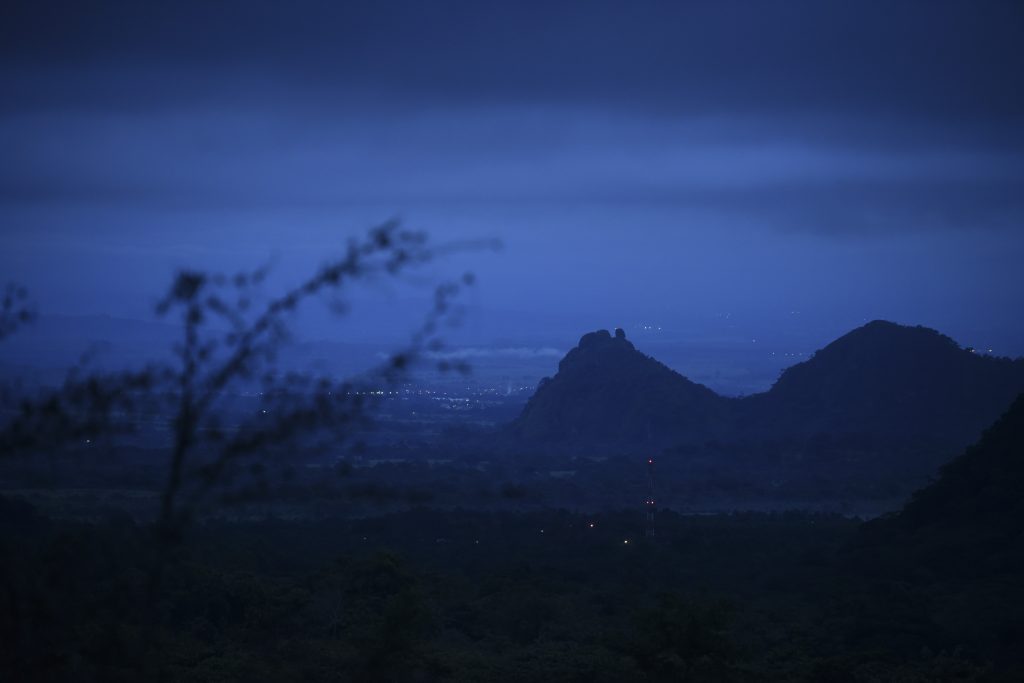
{"x":649,"y":506}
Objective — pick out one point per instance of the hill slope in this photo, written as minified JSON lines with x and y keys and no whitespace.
{"x":880,"y":381}
{"x":607,"y":394}
{"x":982,"y":490}
{"x":890,"y":380}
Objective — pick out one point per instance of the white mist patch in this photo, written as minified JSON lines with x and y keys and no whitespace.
{"x":471,"y":352}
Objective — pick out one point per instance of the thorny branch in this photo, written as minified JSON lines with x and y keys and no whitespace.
{"x":228,"y":345}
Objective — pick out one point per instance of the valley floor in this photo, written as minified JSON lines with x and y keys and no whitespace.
{"x":461,"y":595}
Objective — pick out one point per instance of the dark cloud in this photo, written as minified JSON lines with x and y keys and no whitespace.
{"x":932,"y":60}
{"x":750,"y":153}
{"x":778,"y":176}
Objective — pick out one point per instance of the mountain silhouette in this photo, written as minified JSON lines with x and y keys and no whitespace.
{"x":967,"y":524}
{"x":981,"y":490}
{"x":882,"y":380}
{"x":609,"y":394}
{"x":885,"y":379}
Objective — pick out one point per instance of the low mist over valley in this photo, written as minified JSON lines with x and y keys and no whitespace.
{"x":467,"y":341}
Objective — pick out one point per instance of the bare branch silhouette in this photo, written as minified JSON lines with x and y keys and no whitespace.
{"x":15,"y":310}
{"x":228,"y":346}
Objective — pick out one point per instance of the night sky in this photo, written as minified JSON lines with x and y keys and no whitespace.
{"x":666,"y":163}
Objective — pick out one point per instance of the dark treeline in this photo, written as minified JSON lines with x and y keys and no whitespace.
{"x":929,"y":594}
{"x":467,"y":596}
{"x":212,"y":519}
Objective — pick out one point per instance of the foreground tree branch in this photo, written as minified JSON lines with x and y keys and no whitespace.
{"x":228,"y":346}
{"x":15,"y":310}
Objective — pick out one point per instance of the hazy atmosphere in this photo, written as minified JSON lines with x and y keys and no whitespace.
{"x":593,"y":341}
{"x":802,"y":168}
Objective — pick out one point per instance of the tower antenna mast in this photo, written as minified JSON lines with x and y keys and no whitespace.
{"x":649,"y":506}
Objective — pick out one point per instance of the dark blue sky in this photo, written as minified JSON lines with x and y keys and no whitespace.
{"x":642,"y":162}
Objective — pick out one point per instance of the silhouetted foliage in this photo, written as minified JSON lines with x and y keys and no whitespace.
{"x":15,"y":310}
{"x":473,"y":596}
{"x":229,"y":345}
{"x":453,"y":594}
